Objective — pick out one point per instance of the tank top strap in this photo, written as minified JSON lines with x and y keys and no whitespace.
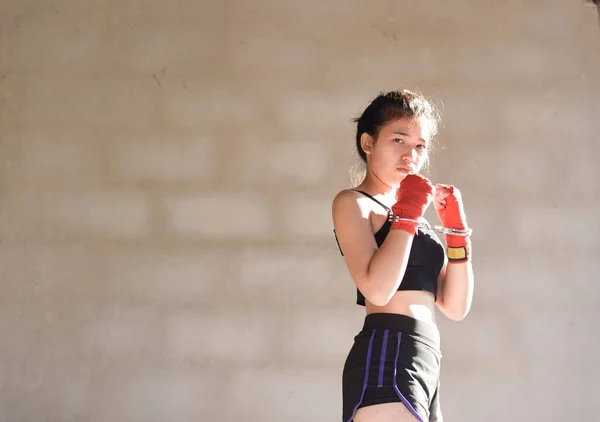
{"x":371,"y":197}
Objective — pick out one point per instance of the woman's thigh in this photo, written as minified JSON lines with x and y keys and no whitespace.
{"x":386,"y":412}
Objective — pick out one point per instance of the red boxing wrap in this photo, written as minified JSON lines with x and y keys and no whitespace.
{"x":414,"y":195}
{"x":453,"y":216}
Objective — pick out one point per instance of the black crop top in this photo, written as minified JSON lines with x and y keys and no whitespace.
{"x":425,"y":260}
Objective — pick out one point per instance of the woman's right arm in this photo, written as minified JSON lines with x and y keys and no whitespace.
{"x":377,"y":272}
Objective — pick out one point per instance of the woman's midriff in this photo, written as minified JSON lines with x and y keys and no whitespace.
{"x":416,"y":304}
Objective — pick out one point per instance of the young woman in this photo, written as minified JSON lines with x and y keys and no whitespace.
{"x":401,"y":269}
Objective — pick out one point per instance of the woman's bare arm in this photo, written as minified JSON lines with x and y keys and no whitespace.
{"x":377,"y":272}
{"x":455,"y":290}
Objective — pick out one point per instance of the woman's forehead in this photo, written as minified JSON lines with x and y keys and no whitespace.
{"x":408,"y":127}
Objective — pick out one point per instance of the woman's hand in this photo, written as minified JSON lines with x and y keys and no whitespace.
{"x":412,"y":199}
{"x":449,"y":206}
{"x":447,"y":201}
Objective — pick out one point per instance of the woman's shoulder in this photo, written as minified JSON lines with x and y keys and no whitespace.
{"x":350,"y":197}
{"x":345,"y":195}
{"x":344,"y":199}
{"x":348,"y":201}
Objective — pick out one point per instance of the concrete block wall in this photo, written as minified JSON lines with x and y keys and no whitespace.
{"x":165,"y":191}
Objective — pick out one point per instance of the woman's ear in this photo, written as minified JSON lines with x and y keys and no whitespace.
{"x":366,"y":143}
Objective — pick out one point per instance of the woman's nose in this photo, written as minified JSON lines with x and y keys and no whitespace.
{"x":410,"y":156}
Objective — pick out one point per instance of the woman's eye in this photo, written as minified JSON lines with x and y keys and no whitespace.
{"x":398,"y":140}
{"x":421,"y":146}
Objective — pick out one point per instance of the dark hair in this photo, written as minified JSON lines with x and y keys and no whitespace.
{"x":392,"y":106}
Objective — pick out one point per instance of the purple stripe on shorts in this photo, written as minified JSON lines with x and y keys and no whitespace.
{"x":362,"y":395}
{"x":402,"y":398}
{"x":382,"y":358}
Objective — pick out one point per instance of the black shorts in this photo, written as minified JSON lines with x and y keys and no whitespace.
{"x":394,"y":358}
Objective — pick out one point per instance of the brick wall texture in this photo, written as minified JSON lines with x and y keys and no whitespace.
{"x":166,"y":177}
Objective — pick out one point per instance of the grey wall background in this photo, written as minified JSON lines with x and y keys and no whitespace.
{"x":166,"y":247}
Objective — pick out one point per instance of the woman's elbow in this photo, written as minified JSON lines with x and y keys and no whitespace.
{"x":456,"y":313}
{"x":378,"y":300}
{"x":378,"y":297}
{"x":457,"y":316}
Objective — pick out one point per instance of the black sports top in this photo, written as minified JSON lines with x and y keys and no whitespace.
{"x":425,"y":260}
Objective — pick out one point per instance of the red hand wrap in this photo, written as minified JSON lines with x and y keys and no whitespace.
{"x":453,"y":216}
{"x":414,"y":195}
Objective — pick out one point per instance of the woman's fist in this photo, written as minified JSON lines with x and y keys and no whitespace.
{"x":448,"y":204}
{"x":412,"y":199}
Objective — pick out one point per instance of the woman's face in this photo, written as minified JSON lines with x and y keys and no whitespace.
{"x":400,"y":149}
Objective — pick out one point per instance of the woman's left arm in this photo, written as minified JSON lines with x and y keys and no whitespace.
{"x":455,"y":290}
{"x":456,"y":280}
